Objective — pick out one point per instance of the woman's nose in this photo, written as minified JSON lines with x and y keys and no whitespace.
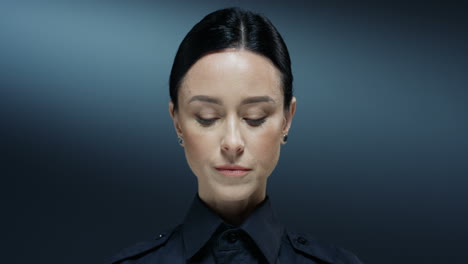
{"x":232,"y":142}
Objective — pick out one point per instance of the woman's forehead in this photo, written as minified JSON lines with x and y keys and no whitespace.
{"x":232,"y":73}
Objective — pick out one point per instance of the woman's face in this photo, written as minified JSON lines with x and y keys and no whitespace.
{"x":232,"y":120}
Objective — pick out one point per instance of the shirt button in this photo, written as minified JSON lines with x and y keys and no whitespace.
{"x":232,"y":237}
{"x":301,"y":240}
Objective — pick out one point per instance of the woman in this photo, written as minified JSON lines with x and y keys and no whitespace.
{"x":232,"y":107}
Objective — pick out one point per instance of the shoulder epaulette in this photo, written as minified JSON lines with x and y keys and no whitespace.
{"x":321,"y":250}
{"x":142,"y":247}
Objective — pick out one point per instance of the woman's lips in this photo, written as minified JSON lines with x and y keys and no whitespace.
{"x":230,"y":170}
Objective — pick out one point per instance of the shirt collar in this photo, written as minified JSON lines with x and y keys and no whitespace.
{"x":265,"y":229}
{"x":199,"y":225}
{"x":262,"y":225}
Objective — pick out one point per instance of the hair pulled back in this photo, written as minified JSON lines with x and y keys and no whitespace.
{"x":232,"y":28}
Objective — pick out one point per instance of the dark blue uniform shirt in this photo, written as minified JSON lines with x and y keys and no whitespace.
{"x":203,"y":237}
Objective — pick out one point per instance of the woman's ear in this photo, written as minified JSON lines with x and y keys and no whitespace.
{"x":288,"y":116}
{"x":175,"y":119}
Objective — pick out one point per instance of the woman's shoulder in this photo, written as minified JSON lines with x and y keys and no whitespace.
{"x":319,"y":249}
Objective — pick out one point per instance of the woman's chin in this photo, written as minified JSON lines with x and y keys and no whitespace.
{"x":236,"y":192}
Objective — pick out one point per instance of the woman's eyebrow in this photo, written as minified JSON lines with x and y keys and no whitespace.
{"x":258,"y":99}
{"x":205,"y":98}
{"x":250,"y":100}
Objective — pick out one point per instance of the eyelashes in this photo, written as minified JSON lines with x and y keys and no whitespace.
{"x":206,"y":122}
{"x":255,"y":122}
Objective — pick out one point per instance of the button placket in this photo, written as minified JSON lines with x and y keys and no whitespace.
{"x":232,"y":237}
{"x":229,"y":240}
{"x":230,"y":247}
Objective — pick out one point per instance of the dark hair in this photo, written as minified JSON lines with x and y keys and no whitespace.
{"x":232,"y":28}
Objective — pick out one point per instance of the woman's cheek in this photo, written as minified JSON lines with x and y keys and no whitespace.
{"x":266,"y":146}
{"x":198,"y":145}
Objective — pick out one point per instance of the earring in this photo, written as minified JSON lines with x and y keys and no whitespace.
{"x":285,"y":138}
{"x":181,"y":140}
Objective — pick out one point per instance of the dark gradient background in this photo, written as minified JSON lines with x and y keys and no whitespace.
{"x":376,"y":162}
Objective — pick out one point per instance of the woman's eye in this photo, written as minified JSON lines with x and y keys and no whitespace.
{"x":255,"y":122}
{"x":206,"y":121}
